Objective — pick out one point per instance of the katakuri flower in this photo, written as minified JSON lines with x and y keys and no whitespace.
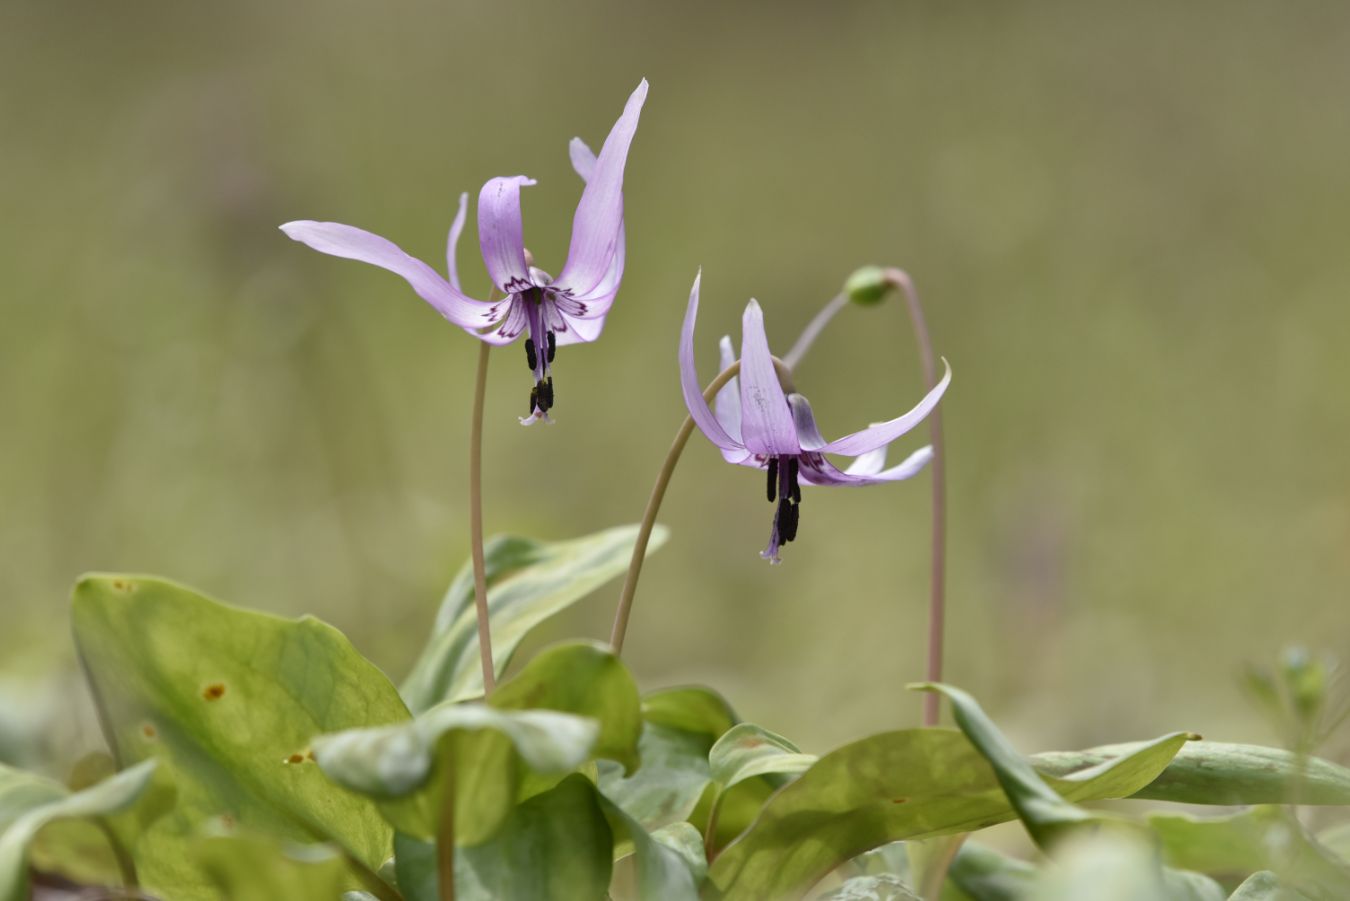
{"x":756,"y":424}
{"x":570,"y":309}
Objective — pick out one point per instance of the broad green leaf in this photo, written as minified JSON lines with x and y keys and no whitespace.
{"x":1265,"y":886}
{"x":29,"y":802}
{"x":666,"y":862}
{"x":251,"y":866}
{"x":691,"y":708}
{"x":1211,"y":772}
{"x":882,"y":887}
{"x":667,"y":786}
{"x":528,"y":581}
{"x":1117,"y":866}
{"x":540,"y":829}
{"x":569,"y":704}
{"x":1262,"y":838}
{"x":747,"y":750}
{"x":982,"y":873}
{"x":555,"y":845}
{"x":1043,"y":810}
{"x":914,"y":783}
{"x":228,"y":701}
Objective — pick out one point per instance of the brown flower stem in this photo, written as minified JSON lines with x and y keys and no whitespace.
{"x":480,"y":598}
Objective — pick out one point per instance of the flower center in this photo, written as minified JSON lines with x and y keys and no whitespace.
{"x":541,"y":345}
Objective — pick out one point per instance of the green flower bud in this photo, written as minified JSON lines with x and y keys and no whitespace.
{"x":868,"y":286}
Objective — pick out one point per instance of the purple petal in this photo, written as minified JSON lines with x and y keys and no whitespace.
{"x":510,"y":327}
{"x":766,"y":420}
{"x":884,"y":433}
{"x":816,"y":470}
{"x":452,"y":243}
{"x":598,"y":222}
{"x":500,"y":234}
{"x":808,"y":435}
{"x":601,"y":297}
{"x":689,"y":386}
{"x":727,"y":404}
{"x":352,"y":243}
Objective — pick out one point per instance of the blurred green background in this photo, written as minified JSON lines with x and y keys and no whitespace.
{"x":1128,"y":222}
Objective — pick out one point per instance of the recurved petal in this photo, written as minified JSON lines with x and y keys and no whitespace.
{"x":339,"y":240}
{"x":598,"y":221}
{"x":816,"y":470}
{"x":727,"y":404}
{"x":500,"y":233}
{"x":808,"y":434}
{"x":602,"y":295}
{"x":767,"y":426}
{"x":884,"y":433}
{"x":514,"y":321}
{"x":689,"y":384}
{"x":456,"y":228}
{"x":583,"y":158}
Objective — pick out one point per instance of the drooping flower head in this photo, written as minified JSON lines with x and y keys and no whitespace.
{"x":549,"y":311}
{"x":757,"y":424}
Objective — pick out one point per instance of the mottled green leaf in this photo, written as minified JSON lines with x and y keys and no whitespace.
{"x":229,"y":701}
{"x":915,"y":783}
{"x":1211,"y":772}
{"x":1265,"y":886}
{"x":528,"y":581}
{"x":747,"y":750}
{"x":246,"y":866}
{"x":1262,"y":838}
{"x":666,"y":861}
{"x":567,"y":705}
{"x":882,"y":887}
{"x":667,"y":786}
{"x":690,"y":708}
{"x":29,"y":802}
{"x":980,"y":872}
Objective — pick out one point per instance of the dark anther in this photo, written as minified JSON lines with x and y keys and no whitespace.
{"x":773,"y":478}
{"x":544,"y":392}
{"x":534,"y":398}
{"x":794,"y":490}
{"x":530,"y":355}
{"x":552,"y":346}
{"x":788,"y":516}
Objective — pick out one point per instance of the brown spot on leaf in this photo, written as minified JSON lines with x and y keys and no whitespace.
{"x":148,"y":730}
{"x":121,"y":585}
{"x":214,"y":692}
{"x":899,"y":800}
{"x":296,"y":758}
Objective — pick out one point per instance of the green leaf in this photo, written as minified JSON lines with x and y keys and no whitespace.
{"x":1043,"y":810}
{"x":668,"y":785}
{"x":1211,"y":772}
{"x":251,"y":866}
{"x":29,"y":802}
{"x":882,"y":887}
{"x":567,"y":705}
{"x":915,"y":783}
{"x":518,"y":861}
{"x":1265,"y":886}
{"x":1264,"y":838}
{"x":528,"y":581}
{"x":747,"y":750}
{"x":691,"y":708}
{"x":229,"y":700}
{"x":1117,"y":866}
{"x":981,"y":872}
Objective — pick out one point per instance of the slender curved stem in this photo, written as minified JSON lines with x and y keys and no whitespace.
{"x":480,"y":598}
{"x":813,"y":330}
{"x":937,"y":610}
{"x":654,"y":505}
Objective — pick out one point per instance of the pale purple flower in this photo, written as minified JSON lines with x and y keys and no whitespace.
{"x":570,"y":309}
{"x":757,"y":425}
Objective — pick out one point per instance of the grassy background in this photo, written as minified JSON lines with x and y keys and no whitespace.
{"x":1128,"y":222}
